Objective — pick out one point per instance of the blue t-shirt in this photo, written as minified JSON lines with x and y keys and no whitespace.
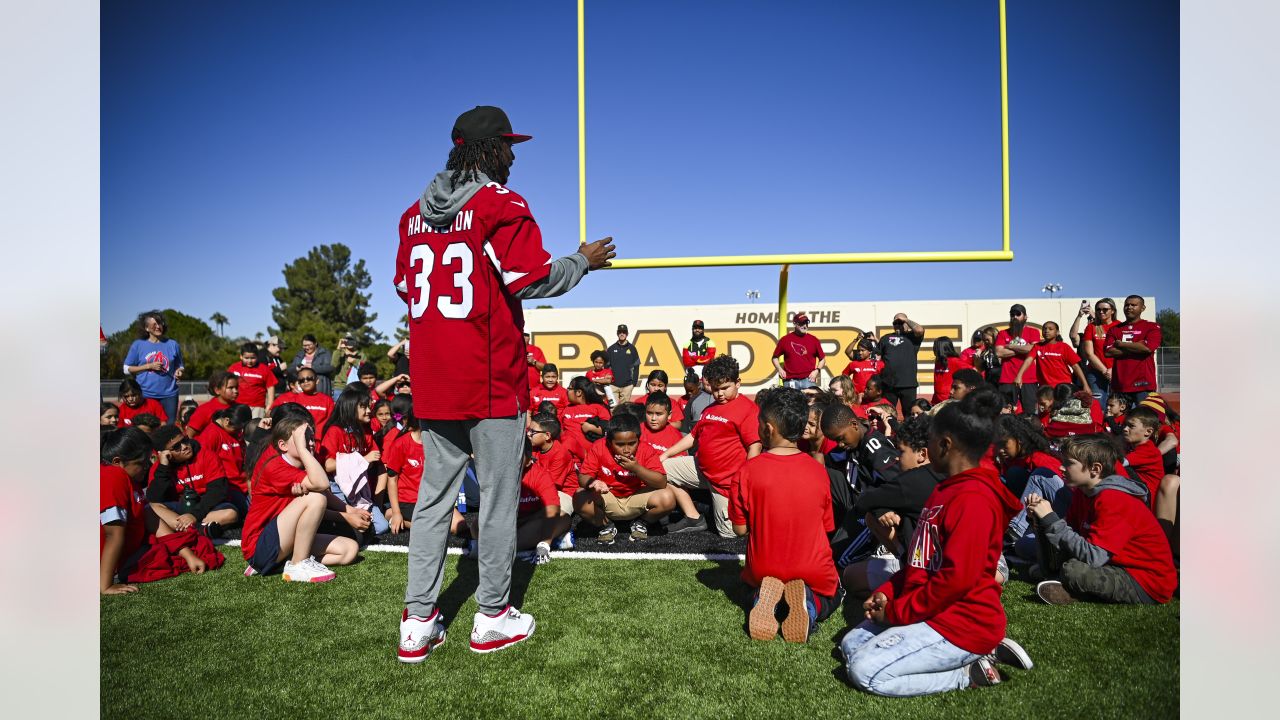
{"x":156,"y":383}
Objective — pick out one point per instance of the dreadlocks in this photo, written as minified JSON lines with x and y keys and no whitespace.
{"x":482,"y":155}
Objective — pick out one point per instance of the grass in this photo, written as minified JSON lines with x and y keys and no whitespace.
{"x":615,"y":639}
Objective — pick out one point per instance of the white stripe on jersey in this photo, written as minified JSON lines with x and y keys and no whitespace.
{"x":114,"y":514}
{"x":507,"y":277}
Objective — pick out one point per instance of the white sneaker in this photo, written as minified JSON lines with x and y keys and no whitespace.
{"x":500,"y":631}
{"x":419,"y":636}
{"x":565,"y":541}
{"x":309,"y":570}
{"x":542,"y":553}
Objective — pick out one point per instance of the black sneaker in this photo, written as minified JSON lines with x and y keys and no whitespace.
{"x":983,"y":673}
{"x":687,"y":524}
{"x":607,"y":534}
{"x":1009,"y":652}
{"x":212,"y":530}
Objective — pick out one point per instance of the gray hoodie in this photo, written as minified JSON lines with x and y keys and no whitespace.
{"x":441,"y":202}
{"x":1064,"y":537}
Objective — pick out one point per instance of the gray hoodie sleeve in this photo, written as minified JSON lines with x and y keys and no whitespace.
{"x":1065,"y":538}
{"x":565,"y":274}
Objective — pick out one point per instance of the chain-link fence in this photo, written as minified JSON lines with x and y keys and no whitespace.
{"x":195,"y":389}
{"x":1168,"y":369}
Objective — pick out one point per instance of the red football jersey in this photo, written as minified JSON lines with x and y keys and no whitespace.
{"x":404,"y":458}
{"x":561,"y":465}
{"x":723,"y":434}
{"x":1118,"y":523}
{"x":121,"y":502}
{"x":537,"y":490}
{"x":661,"y":440}
{"x":254,"y":382}
{"x":786,"y":501}
{"x":1131,"y":374}
{"x":318,"y":404}
{"x":1009,"y":368}
{"x":601,"y":465}
{"x":148,"y":405}
{"x":1053,"y":363}
{"x":558,"y":396}
{"x":465,"y":323}
{"x":860,"y":371}
{"x":273,"y":481}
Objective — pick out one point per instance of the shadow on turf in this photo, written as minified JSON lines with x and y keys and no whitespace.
{"x":467,"y":580}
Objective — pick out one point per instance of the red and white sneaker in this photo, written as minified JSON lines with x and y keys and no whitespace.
{"x":309,"y":570}
{"x":419,"y":636}
{"x":490,"y":633}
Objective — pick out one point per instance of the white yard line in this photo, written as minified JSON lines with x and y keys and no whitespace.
{"x":570,"y":555}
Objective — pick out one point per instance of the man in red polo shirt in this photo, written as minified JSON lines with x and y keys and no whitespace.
{"x":801,"y":356}
{"x":1133,"y":345}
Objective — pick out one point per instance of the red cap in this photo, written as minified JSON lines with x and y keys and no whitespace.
{"x":802,"y":319}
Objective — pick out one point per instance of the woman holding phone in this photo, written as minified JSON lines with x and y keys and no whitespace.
{"x":1097,"y":367}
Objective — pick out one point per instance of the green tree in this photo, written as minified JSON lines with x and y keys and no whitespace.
{"x":1170,"y":321}
{"x":220,"y":320}
{"x":203,"y":351}
{"x":402,"y":330}
{"x":323,"y":295}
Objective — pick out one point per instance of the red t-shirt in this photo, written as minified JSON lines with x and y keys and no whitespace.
{"x":1147,"y":461}
{"x":254,"y":382}
{"x":1097,"y":334}
{"x":799,"y":353}
{"x":220,"y":444}
{"x":273,"y":481}
{"x":557,"y":396}
{"x":535,"y":375}
{"x":1009,"y":368}
{"x":404,"y":457}
{"x":663,"y":439}
{"x":204,"y":413}
{"x":1133,"y":374}
{"x":465,"y":324}
{"x":942,"y":380}
{"x":860,"y":371}
{"x":561,"y":466}
{"x":203,"y":469}
{"x":537,"y":490}
{"x":336,"y":440}
{"x":786,"y":502}
{"x":318,"y":404}
{"x":121,"y":502}
{"x":675,"y":417}
{"x":127,"y":414}
{"x":1053,"y":363}
{"x":603,"y":376}
{"x":600,"y":465}
{"x":1119,"y":523}
{"x":571,"y":426}
{"x":723,"y":433}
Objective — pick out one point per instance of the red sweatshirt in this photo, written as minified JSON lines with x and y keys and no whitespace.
{"x":949,"y":580}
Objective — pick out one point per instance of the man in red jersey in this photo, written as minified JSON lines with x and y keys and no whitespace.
{"x":469,"y":251}
{"x":1133,"y":345}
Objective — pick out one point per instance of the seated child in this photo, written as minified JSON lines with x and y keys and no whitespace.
{"x":225,"y":388}
{"x":108,"y":415}
{"x":224,"y":437}
{"x":1110,"y":547}
{"x":622,"y":479}
{"x":583,"y":421}
{"x":538,"y":519}
{"x":318,"y":404}
{"x":660,"y":434}
{"x":288,"y":504}
{"x":657,"y":382}
{"x":404,"y":460}
{"x":782,"y":503}
{"x":1117,"y":406}
{"x":146,"y":422}
{"x":862,"y":458}
{"x":938,"y":623}
{"x":892,"y":509}
{"x":122,"y":472}
{"x":132,"y":403}
{"x":1142,"y":455}
{"x":1028,"y":466}
{"x":550,"y":452}
{"x":550,"y":390}
{"x":189,"y":488}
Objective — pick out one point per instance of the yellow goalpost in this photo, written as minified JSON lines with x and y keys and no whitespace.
{"x":1004,"y":254}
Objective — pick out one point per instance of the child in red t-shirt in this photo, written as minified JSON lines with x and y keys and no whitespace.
{"x":622,"y":479}
{"x":538,"y":518}
{"x":942,"y":609}
{"x":225,"y":389}
{"x":727,"y":435}
{"x":1056,"y":362}
{"x":549,"y":390}
{"x":600,"y":375}
{"x":188,"y":489}
{"x":1140,"y":426}
{"x":782,"y":503}
{"x":1110,"y":547}
{"x":862,"y":366}
{"x":657,"y":382}
{"x":289,"y":499}
{"x":121,"y":475}
{"x":257,"y":381}
{"x":348,"y":431}
{"x":945,"y":364}
{"x":587,"y":413}
{"x":318,"y":404}
{"x":133,"y":404}
{"x":660,"y":433}
{"x":544,"y":433}
{"x":403,"y":458}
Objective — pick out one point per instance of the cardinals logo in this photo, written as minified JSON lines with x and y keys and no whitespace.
{"x":799,"y":349}
{"x":926,"y":545}
{"x":414,"y":463}
{"x":895,"y":340}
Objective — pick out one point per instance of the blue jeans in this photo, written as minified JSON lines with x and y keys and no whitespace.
{"x":799,"y":383}
{"x":1098,"y":385}
{"x":170,"y":405}
{"x":1043,"y":483}
{"x":904,"y":661}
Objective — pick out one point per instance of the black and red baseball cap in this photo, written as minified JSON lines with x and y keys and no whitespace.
{"x":484,"y":121}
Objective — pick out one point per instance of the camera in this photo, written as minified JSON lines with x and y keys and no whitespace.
{"x":190,"y":499}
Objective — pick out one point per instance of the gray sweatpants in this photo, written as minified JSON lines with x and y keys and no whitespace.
{"x":498,"y":445}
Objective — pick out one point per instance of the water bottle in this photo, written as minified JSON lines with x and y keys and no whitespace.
{"x":462,"y":501}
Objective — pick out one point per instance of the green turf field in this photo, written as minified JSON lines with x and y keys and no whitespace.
{"x":615,"y":638}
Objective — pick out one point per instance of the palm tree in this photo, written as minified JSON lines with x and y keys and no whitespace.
{"x":219,"y":319}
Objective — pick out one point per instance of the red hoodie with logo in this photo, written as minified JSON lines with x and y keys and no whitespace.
{"x":948,"y":576}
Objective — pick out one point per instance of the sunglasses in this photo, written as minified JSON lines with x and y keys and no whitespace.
{"x":307,"y":379}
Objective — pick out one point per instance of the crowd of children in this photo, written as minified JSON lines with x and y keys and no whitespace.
{"x":918,"y":513}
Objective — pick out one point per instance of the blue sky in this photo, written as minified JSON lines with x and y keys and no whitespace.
{"x":236,"y":136}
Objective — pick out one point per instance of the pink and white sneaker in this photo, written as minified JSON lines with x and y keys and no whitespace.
{"x":490,"y":633}
{"x":419,"y":636}
{"x":309,"y":570}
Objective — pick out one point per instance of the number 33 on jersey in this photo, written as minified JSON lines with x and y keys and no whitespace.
{"x":465,"y":323}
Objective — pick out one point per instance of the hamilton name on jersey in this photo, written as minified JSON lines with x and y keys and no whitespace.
{"x":461,"y":222}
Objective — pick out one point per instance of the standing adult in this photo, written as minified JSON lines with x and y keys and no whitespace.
{"x":1092,"y":343}
{"x":536,"y":359}
{"x":899,"y":351}
{"x":1132,"y":345}
{"x":469,"y":252}
{"x":798,"y":356}
{"x":318,"y":359}
{"x":1014,"y":347}
{"x":155,"y":361}
{"x":625,"y":363}
{"x":270,"y":357}
{"x":699,"y":351}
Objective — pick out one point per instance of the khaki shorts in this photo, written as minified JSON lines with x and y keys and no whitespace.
{"x":622,"y":394}
{"x":566,"y":503}
{"x":258,"y":413}
{"x":631,"y":507}
{"x":683,"y":472}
